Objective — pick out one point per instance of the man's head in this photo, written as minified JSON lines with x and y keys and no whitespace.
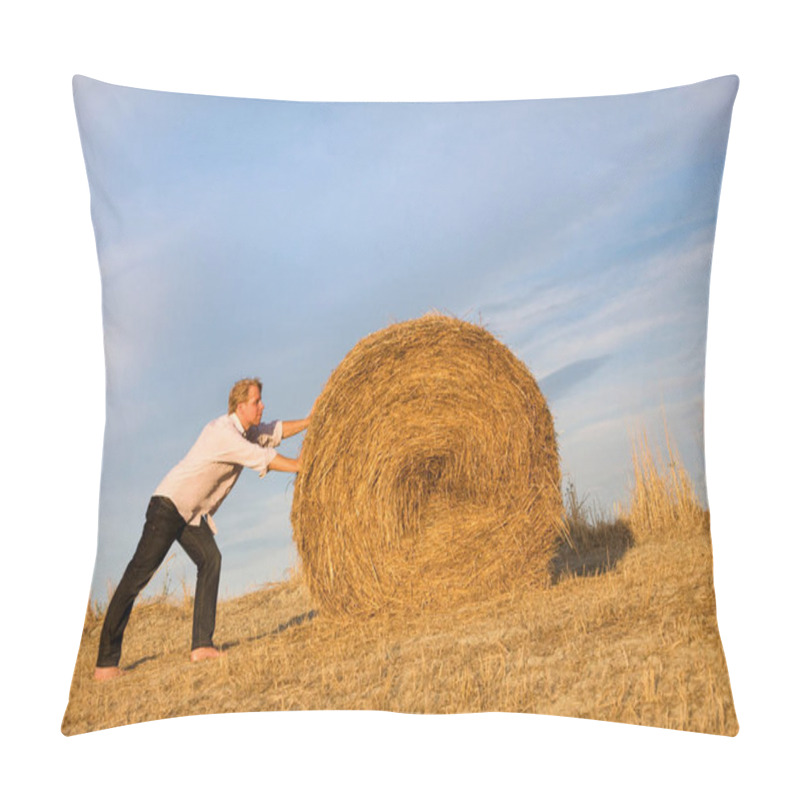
{"x":245,"y":401}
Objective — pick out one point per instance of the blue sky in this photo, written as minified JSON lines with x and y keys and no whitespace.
{"x":249,"y":237}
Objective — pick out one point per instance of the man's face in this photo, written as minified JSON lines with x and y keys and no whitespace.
{"x":250,"y":411}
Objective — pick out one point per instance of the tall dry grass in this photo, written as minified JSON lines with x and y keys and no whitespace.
{"x":626,"y":632}
{"x":664,"y":500}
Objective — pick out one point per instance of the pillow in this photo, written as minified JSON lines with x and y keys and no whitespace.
{"x":487,"y":323}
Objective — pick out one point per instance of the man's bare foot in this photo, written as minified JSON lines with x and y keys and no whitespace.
{"x":205,"y":653}
{"x":106,"y":673}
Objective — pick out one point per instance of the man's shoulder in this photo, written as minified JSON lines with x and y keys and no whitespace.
{"x":265,"y":428}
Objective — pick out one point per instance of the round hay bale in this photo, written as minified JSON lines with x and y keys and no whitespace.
{"x":430,"y":473}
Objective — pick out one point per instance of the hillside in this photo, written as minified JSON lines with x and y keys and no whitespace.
{"x":626,"y":633}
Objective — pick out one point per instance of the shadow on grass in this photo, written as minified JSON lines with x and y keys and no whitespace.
{"x":294,"y":621}
{"x":298,"y":620}
{"x":591,"y":550}
{"x":138,"y":663}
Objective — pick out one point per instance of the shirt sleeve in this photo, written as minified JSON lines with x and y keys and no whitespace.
{"x":235,"y":449}
{"x":267,"y":434}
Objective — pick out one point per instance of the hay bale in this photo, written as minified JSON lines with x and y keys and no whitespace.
{"x":430,"y":473}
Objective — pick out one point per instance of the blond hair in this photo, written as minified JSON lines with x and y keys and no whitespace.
{"x":240,"y":391}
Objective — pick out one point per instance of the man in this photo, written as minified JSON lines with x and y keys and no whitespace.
{"x":182,"y":507}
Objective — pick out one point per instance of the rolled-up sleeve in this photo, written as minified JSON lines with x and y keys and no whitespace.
{"x":267,"y":434}
{"x":238,"y":450}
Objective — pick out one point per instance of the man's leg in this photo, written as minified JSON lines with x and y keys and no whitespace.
{"x":162,"y":526}
{"x":199,"y":544}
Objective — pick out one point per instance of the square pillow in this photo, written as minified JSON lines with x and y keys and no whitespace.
{"x":467,"y":467}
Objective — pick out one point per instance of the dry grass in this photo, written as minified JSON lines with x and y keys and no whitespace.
{"x":430,"y":473}
{"x":627,"y":632}
{"x":664,"y":499}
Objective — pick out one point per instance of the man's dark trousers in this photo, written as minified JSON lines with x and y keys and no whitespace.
{"x":163,"y":526}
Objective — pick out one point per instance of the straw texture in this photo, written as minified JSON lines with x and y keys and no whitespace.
{"x":430,"y":474}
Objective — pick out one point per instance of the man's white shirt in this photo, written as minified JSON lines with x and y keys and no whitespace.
{"x":199,"y":483}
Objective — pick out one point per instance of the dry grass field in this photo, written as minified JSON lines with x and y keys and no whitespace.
{"x":626,"y":632}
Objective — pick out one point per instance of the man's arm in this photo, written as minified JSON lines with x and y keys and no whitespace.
{"x":293,"y":426}
{"x":284,"y":464}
